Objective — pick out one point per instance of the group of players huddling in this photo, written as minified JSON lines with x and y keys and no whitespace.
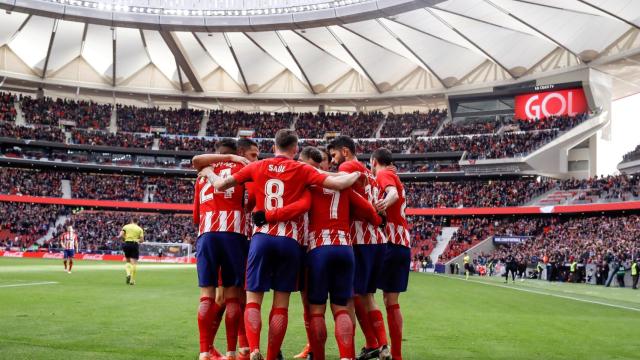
{"x":331,"y":236}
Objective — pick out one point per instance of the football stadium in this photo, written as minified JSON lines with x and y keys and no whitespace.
{"x":319,"y":179}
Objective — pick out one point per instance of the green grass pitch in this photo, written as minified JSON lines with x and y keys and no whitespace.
{"x":46,"y":313}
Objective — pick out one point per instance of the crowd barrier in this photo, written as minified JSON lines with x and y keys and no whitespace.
{"x":96,"y":257}
{"x":513,"y":210}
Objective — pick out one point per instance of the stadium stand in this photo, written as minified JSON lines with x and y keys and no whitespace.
{"x":30,"y":182}
{"x":265,"y":125}
{"x":403,"y":125}
{"x":102,"y":138}
{"x":174,"y":121}
{"x":7,"y":107}
{"x":47,"y":111}
{"x":44,"y":133}
{"x":22,"y":224}
{"x":632,"y":155}
{"x":98,"y":230}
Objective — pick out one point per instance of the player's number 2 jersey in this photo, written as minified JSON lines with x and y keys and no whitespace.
{"x":222,"y":211}
{"x":397,"y":229}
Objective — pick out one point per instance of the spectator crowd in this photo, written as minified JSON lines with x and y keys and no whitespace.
{"x":47,"y":111}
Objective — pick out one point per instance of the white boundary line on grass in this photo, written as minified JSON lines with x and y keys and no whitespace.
{"x":543,"y":293}
{"x":30,"y":284}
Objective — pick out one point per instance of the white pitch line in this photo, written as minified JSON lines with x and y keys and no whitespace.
{"x":30,"y":284}
{"x":545,"y":293}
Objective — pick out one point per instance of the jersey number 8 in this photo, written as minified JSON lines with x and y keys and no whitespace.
{"x":273,"y":190}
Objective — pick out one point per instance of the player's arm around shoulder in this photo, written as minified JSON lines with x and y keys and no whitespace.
{"x":201,"y":161}
{"x":341,"y":181}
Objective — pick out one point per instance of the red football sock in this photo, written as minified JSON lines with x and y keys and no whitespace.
{"x":394,"y":318}
{"x":307,"y":323}
{"x":206,"y":316}
{"x":253,"y":325}
{"x":242,"y":335}
{"x":278,"y":319}
{"x":70,"y":264}
{"x":318,"y":329}
{"x":344,"y":334}
{"x":232,"y":319}
{"x":365,"y":324}
{"x":217,"y":319}
{"x":65,"y":264}
{"x":377,"y":323}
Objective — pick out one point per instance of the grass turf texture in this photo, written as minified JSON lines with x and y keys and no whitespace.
{"x":92,"y":314}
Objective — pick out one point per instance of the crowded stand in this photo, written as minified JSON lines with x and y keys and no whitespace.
{"x":7,"y":107}
{"x":47,"y":111}
{"x":101,"y":138}
{"x":632,"y":155}
{"x":424,"y":236}
{"x":356,"y":125}
{"x":171,"y":190}
{"x":472,"y":127}
{"x":98,"y":231}
{"x":403,"y":125}
{"x":171,"y":121}
{"x":22,"y":224}
{"x":475,"y":193}
{"x":264,"y":125}
{"x":30,"y":182}
{"x":613,"y":187}
{"x":107,"y":187}
{"x":183,"y":143}
{"x":43,"y":133}
{"x":591,"y":239}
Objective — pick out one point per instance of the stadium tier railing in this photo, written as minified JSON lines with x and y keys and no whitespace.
{"x":470,"y":211}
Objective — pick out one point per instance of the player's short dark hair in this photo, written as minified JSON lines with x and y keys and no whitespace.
{"x":286,"y":139}
{"x":310,"y":152}
{"x":343,"y":141}
{"x":383,"y":156}
{"x":324,"y":151}
{"x":246,"y":144}
{"x":226,"y":146}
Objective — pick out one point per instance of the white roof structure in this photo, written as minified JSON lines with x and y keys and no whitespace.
{"x":417,"y":49}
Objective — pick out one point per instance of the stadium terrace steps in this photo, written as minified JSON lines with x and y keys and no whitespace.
{"x":60,"y":221}
{"x":156,"y":144}
{"x":536,"y":199}
{"x":380,"y":127}
{"x":442,"y":124}
{"x":485,"y":246}
{"x":19,"y":115}
{"x":65,"y":188}
{"x":443,"y":242}
{"x":203,"y":124}
{"x":113,"y":122}
{"x":556,"y":197}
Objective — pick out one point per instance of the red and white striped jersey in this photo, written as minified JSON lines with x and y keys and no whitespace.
{"x":219,"y":210}
{"x":396,"y":229}
{"x":69,"y":240}
{"x":364,"y":233}
{"x":331,"y":213}
{"x":279,"y":182}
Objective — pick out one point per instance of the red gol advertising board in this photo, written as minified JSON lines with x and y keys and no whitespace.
{"x":550,"y":103}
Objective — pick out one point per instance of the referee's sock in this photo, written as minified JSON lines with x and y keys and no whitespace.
{"x":134,"y":268}
{"x":127,"y":268}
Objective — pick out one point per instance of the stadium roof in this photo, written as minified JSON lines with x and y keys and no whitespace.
{"x":348,"y":49}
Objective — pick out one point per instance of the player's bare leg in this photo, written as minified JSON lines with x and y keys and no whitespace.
{"x":394,"y":318}
{"x":253,"y":323}
{"x":307,"y":327}
{"x":207,"y":311}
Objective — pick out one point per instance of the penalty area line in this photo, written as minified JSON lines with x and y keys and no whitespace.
{"x":29,"y":284}
{"x":544,"y":293}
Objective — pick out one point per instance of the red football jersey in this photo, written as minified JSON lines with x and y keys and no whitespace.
{"x":364,"y":233}
{"x":69,"y":240}
{"x":219,"y":210}
{"x":397,"y":230}
{"x":278,"y":182}
{"x":329,"y":216}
